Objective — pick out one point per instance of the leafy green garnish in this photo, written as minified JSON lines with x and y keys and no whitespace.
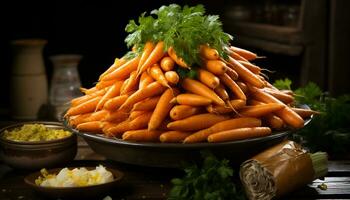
{"x":184,"y":29}
{"x":283,"y":84}
{"x":211,"y":181}
{"x":186,"y":73}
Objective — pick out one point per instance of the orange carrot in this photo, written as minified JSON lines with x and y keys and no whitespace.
{"x":103,"y":84}
{"x":208,"y":78}
{"x":82,"y":99}
{"x":235,"y":104}
{"x":177,"y":59}
{"x":156,"y":73}
{"x":209,"y":53}
{"x":243,"y":86}
{"x":136,"y":113}
{"x":305,"y":113}
{"x":233,"y":86}
{"x":260,"y":110}
{"x":167,"y":64}
{"x":98,"y":116}
{"x":172,"y":77}
{"x":232,"y":73}
{"x":273,"y":121}
{"x":145,"y":80}
{"x":113,"y":91}
{"x":151,"y":90}
{"x":115,"y":102}
{"x":286,"y":114}
{"x":146,"y":105}
{"x":173,"y":136}
{"x":117,"y":63}
{"x":183,"y":111}
{"x":123,"y":71}
{"x":147,"y":50}
{"x":137,"y":123}
{"x":196,"y":122}
{"x":236,"y":56}
{"x":285,"y":98}
{"x":246,"y":74}
{"x":162,"y":109}
{"x":117,"y":116}
{"x":89,"y":91}
{"x":216,"y":67}
{"x":244,"y":53}
{"x":143,"y":135}
{"x":221,"y":91}
{"x":202,"y":90}
{"x":93,"y":127}
{"x":239,"y":134}
{"x":131,"y":84}
{"x":78,"y":119}
{"x":153,"y":58}
{"x":86,"y":107}
{"x":253,"y":68}
{"x":191,"y":100}
{"x":235,"y":123}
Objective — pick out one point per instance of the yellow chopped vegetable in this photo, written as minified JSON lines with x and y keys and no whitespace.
{"x":35,"y":133}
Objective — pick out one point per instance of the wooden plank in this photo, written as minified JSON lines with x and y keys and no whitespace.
{"x":270,"y":46}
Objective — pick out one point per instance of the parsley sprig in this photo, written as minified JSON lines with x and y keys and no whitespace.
{"x":183,"y":28}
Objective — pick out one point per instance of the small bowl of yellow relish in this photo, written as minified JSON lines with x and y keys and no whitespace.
{"x":35,"y":145}
{"x":75,"y":182}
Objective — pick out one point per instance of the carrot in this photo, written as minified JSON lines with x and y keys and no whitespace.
{"x":173,"y":136}
{"x":117,"y":63}
{"x":208,"y":78}
{"x":143,"y":135}
{"x":78,"y":119}
{"x":253,"y":68}
{"x":202,"y":90}
{"x":285,"y":98}
{"x":235,"y":104}
{"x":286,"y":114}
{"x":82,"y":99}
{"x":191,"y":100}
{"x":117,"y":116}
{"x":135,"y":114}
{"x":145,"y":80}
{"x":172,"y":77}
{"x":123,"y":71}
{"x":233,"y":86}
{"x":93,"y":127}
{"x":115,"y":102}
{"x":86,"y":107}
{"x":260,"y":110}
{"x":162,"y":109}
{"x":106,"y":126}
{"x":178,"y":60}
{"x":89,"y":91}
{"x":244,"y":53}
{"x":151,"y":90}
{"x":183,"y":111}
{"x":239,"y":134}
{"x":137,"y":123}
{"x":113,"y":91}
{"x":216,"y":67}
{"x":98,"y":116}
{"x":103,"y":84}
{"x":196,"y":122}
{"x":229,"y":124}
{"x":131,"y":84}
{"x":156,"y":73}
{"x":221,"y":91}
{"x":232,"y":73}
{"x":153,"y":58}
{"x":147,"y":50}
{"x":243,"y":86}
{"x":246,"y":74}
{"x":273,"y":121}
{"x":146,"y":105}
{"x":167,"y":64}
{"x":304,"y":113}
{"x":208,"y":53}
{"x":236,"y":56}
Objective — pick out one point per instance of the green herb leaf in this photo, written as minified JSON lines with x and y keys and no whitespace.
{"x":283,"y":84}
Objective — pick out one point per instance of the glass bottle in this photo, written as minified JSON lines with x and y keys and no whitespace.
{"x":65,"y":82}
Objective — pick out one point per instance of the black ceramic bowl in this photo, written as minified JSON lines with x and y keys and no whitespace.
{"x":86,"y":192}
{"x":36,"y":155}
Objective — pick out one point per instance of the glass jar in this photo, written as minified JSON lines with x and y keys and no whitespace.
{"x":65,"y":82}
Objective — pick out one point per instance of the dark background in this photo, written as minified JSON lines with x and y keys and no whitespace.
{"x":96,"y":30}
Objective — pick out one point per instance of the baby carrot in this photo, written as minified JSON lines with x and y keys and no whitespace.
{"x":216,"y":67}
{"x":172,"y":77}
{"x":142,"y":135}
{"x":191,"y":100}
{"x":173,"y":136}
{"x":147,"y":104}
{"x":239,"y":134}
{"x":183,"y":111}
{"x":208,"y":78}
{"x":167,"y":64}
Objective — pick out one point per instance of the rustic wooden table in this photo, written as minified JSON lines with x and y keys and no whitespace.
{"x":154,"y":183}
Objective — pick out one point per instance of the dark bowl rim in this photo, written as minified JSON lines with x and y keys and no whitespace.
{"x":117,"y":176}
{"x":53,"y":123}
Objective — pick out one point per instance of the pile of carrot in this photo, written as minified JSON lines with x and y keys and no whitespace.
{"x":144,"y":99}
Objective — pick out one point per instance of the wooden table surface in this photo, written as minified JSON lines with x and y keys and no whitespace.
{"x":141,"y":182}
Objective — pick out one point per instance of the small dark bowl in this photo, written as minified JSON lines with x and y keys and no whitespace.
{"x":86,"y":192}
{"x":36,"y":155}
